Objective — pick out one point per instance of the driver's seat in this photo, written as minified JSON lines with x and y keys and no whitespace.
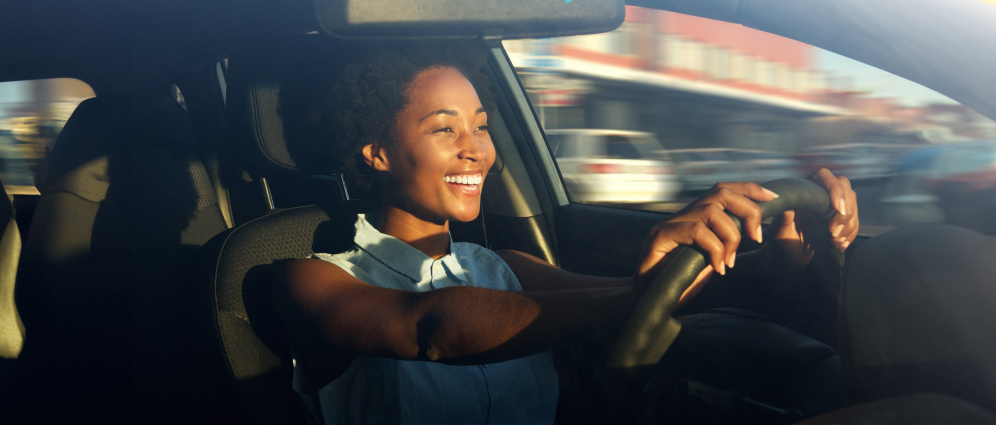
{"x":249,"y":361}
{"x":248,"y":365}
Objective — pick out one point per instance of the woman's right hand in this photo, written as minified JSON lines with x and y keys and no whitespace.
{"x":706,"y":225}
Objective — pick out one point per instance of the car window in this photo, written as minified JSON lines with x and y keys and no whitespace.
{"x":730,"y":103}
{"x":32,"y":114}
{"x":619,"y":147}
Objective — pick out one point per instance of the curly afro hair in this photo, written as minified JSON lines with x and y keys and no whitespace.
{"x":348,"y":97}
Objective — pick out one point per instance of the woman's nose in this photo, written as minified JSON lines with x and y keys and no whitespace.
{"x":473,"y":147}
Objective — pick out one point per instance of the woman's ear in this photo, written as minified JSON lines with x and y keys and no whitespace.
{"x":376,"y":157}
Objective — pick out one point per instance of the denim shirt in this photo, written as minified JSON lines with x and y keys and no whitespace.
{"x":376,"y":390}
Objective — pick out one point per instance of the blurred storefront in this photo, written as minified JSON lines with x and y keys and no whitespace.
{"x":701,"y":83}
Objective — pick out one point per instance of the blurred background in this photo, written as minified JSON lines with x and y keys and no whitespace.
{"x":657,"y":111}
{"x":32,"y":113}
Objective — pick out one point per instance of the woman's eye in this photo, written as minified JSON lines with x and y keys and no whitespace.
{"x":443,"y":130}
{"x":483,"y":128}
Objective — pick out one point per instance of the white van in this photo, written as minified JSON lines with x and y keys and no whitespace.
{"x":614,"y":166}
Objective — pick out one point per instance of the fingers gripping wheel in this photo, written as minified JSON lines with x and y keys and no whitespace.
{"x":649,"y":329}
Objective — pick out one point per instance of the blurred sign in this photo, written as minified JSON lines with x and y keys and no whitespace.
{"x":558,"y":97}
{"x":534,"y":81}
{"x":542,"y":62}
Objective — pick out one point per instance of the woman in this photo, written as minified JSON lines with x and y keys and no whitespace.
{"x":411,"y":327}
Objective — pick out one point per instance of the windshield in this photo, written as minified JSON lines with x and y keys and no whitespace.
{"x":730,"y":103}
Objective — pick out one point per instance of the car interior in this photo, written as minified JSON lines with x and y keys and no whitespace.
{"x":135,"y":285}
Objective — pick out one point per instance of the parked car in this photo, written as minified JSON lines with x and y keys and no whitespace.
{"x":613,"y":166}
{"x":132,"y":307}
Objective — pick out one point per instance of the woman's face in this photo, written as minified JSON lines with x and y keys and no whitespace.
{"x":443,"y":150}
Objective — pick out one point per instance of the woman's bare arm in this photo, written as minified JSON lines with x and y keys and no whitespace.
{"x":328,"y":309}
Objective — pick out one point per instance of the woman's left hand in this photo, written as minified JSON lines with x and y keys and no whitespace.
{"x":792,"y":233}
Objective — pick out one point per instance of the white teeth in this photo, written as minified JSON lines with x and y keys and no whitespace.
{"x":464,"y":179}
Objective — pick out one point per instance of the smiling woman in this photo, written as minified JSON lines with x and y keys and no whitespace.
{"x":412,"y":130}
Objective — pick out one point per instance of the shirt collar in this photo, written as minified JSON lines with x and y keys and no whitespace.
{"x":401,"y":257}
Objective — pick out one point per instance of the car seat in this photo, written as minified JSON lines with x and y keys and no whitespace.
{"x":102,"y":280}
{"x":245,"y":341}
{"x":11,"y":328}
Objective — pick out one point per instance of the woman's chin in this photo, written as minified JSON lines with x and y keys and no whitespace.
{"x":465,"y":216}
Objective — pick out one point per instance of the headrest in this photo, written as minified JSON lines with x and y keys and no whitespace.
{"x":96,"y":126}
{"x":106,"y":125}
{"x":254,"y":80}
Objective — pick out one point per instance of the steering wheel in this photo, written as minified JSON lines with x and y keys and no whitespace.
{"x":649,"y":328}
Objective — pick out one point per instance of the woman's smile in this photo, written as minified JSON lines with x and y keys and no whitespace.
{"x":465,"y":184}
{"x":464,"y":179}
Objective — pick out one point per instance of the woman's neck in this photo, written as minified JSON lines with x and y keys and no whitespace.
{"x":431,"y":238}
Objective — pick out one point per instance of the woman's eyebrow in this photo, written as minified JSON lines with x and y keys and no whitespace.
{"x":439,"y":112}
{"x":449,"y":112}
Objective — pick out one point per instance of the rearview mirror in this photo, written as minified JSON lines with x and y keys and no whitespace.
{"x":487,"y":19}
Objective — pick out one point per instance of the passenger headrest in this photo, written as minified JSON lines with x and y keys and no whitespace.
{"x":254,"y":80}
{"x":110,"y":124}
{"x":95,"y":127}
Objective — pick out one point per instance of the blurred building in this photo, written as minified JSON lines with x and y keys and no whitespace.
{"x":697,"y":82}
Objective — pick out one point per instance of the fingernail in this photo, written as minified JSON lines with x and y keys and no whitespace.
{"x":732,"y":260}
{"x":722,"y":268}
{"x":759,"y":233}
{"x":769,"y":193}
{"x":841,"y":206}
{"x":835,"y":232}
{"x":844,"y":245}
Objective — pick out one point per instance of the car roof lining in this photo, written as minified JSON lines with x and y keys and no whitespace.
{"x":140,"y":42}
{"x":137,"y":43}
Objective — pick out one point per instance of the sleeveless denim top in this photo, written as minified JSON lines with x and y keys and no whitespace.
{"x":376,"y":390}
